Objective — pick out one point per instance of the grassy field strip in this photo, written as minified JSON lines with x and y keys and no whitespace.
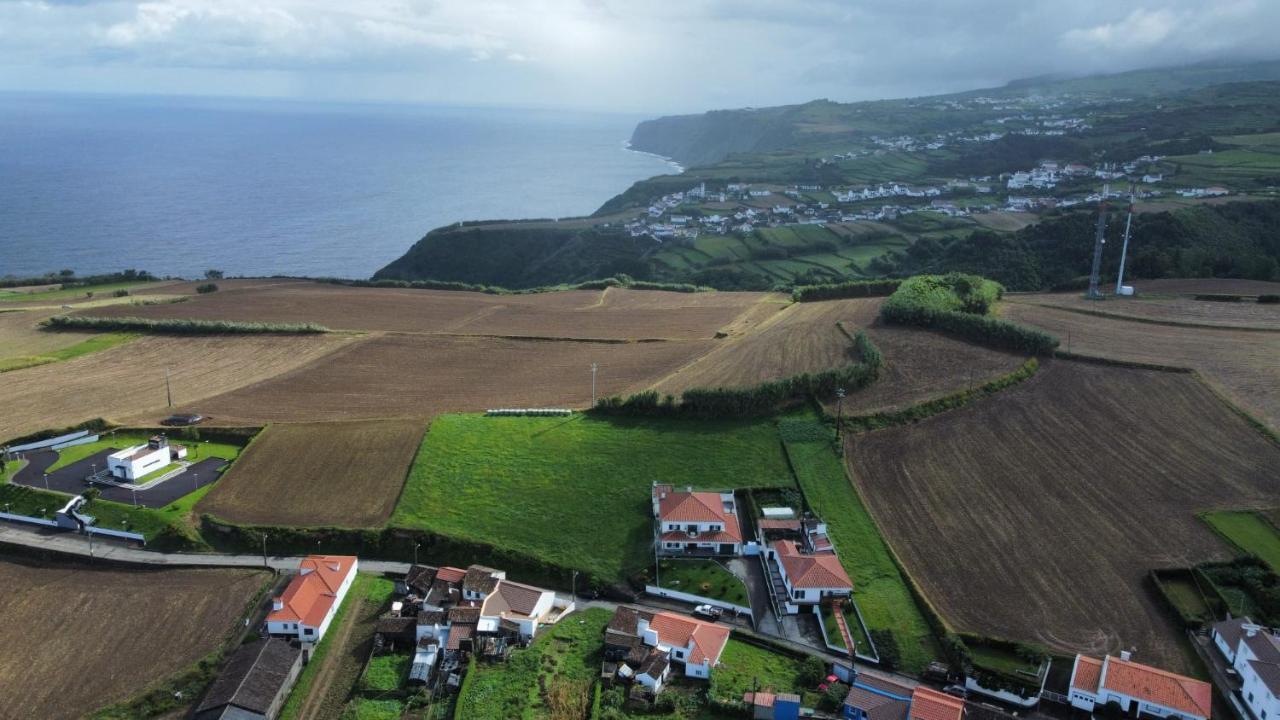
{"x":75,"y":292}
{"x":1250,"y":532}
{"x":879,"y":587}
{"x":552,"y":678}
{"x":574,"y":491}
{"x":84,"y":347}
{"x":327,"y":680}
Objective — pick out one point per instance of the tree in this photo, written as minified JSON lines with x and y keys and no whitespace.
{"x":212,"y":274}
{"x":66,"y":273}
{"x":812,"y":671}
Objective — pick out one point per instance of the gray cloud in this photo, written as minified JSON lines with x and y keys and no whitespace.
{"x":607,"y":54}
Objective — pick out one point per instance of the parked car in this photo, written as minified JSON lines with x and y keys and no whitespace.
{"x":708,"y":612}
{"x":956,"y":690}
{"x":191,"y":419}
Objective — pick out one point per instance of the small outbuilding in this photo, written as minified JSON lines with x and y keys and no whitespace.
{"x":254,"y":683}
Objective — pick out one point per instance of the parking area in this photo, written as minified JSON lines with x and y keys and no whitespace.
{"x":72,"y":479}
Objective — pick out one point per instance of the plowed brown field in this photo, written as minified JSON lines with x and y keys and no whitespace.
{"x":129,"y":380}
{"x":1242,"y":364}
{"x":1191,"y":286}
{"x":400,"y":376}
{"x":613,"y":313}
{"x":1036,"y":513}
{"x":1167,"y":309}
{"x":318,"y":474}
{"x":804,"y":337}
{"x":77,"y":637}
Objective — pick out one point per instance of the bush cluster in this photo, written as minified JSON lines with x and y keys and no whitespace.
{"x":206,"y":288}
{"x":1216,"y":297}
{"x":853,"y":289}
{"x":755,"y":400}
{"x":1269,"y":299}
{"x":958,"y":304}
{"x":174,"y":326}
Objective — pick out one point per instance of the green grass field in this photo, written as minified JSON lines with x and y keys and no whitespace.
{"x":84,"y":347}
{"x":1250,"y":532}
{"x":1233,"y":168}
{"x":1003,"y":661}
{"x":744,"y":667}
{"x":553,"y":674}
{"x":366,"y":709}
{"x":879,"y":587}
{"x":1186,"y":597}
{"x":574,"y":491}
{"x":386,"y":672}
{"x":706,"y":578}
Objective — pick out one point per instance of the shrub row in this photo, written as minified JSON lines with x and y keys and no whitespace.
{"x":920,"y":411}
{"x":1268,"y":299}
{"x":1219,"y":298}
{"x":852,"y":289}
{"x":958,"y":304}
{"x":756,"y":400}
{"x":168,"y":326}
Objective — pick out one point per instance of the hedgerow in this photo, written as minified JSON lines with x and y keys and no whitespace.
{"x":755,"y":400}
{"x":174,"y":326}
{"x":622,"y":281}
{"x":852,"y":289}
{"x":958,"y":304}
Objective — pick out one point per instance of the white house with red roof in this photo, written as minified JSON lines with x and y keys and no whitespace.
{"x":804,"y":579}
{"x":307,"y":606}
{"x":929,"y":704}
{"x":651,"y":643}
{"x":696,"y":523}
{"x":1254,"y":652}
{"x":1138,"y":688}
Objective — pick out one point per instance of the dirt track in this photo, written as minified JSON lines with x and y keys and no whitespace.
{"x":1035,"y":514}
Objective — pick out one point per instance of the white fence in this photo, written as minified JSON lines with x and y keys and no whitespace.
{"x":72,"y":443}
{"x":533,"y":412}
{"x":28,"y":519}
{"x":697,"y":600}
{"x":137,"y":537}
{"x":874,"y":657}
{"x":48,"y":443}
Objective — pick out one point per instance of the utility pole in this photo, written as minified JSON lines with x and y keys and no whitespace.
{"x":168,"y":391}
{"x":839,"y":412}
{"x":415,"y":553}
{"x":264,"y":550}
{"x":1098,"y":241}
{"x":1124,"y":248}
{"x":594,"y":367}
{"x":575,"y":584}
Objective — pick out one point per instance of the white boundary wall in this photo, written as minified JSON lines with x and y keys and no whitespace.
{"x":696,"y":599}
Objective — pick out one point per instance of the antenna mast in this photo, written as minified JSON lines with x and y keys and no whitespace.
{"x":1098,"y":241}
{"x":1124,"y":248}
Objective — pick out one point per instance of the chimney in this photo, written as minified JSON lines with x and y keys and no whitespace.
{"x":1125,"y":655}
{"x":277,"y":604}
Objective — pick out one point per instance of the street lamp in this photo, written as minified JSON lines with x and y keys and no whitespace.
{"x":134,"y":490}
{"x":575,"y":583}
{"x":46,"y":481}
{"x":415,"y":553}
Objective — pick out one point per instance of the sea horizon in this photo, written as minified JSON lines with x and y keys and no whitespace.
{"x":179,"y":184}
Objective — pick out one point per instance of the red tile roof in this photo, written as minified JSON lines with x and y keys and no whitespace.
{"x":811,"y":571}
{"x":309,"y":596}
{"x":758,"y":699}
{"x":708,"y":639}
{"x":1087,"y":674}
{"x":451,"y":574}
{"x":681,"y":536}
{"x":929,"y":704}
{"x":692,"y":507}
{"x":1161,"y":687}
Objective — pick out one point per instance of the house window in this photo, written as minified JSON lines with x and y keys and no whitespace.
{"x":309,"y":631}
{"x":691,"y":528}
{"x":1250,"y":697}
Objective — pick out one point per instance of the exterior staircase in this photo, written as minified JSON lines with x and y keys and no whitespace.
{"x":837,"y":607}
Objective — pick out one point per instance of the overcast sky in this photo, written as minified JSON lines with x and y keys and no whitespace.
{"x":645,"y":56}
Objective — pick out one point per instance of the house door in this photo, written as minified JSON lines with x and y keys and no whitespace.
{"x":726,"y":548}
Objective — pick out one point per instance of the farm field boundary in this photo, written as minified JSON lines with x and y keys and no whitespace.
{"x":1249,"y":532}
{"x":929,"y":408}
{"x":1147,"y":320}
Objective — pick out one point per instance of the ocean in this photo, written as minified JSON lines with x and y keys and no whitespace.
{"x":176,"y":186}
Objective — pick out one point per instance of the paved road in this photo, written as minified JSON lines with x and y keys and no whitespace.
{"x":73,"y":544}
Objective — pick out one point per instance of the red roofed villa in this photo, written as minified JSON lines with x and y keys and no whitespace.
{"x":309,"y":603}
{"x":696,"y":523}
{"x":805,"y":579}
{"x":1154,"y":691}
